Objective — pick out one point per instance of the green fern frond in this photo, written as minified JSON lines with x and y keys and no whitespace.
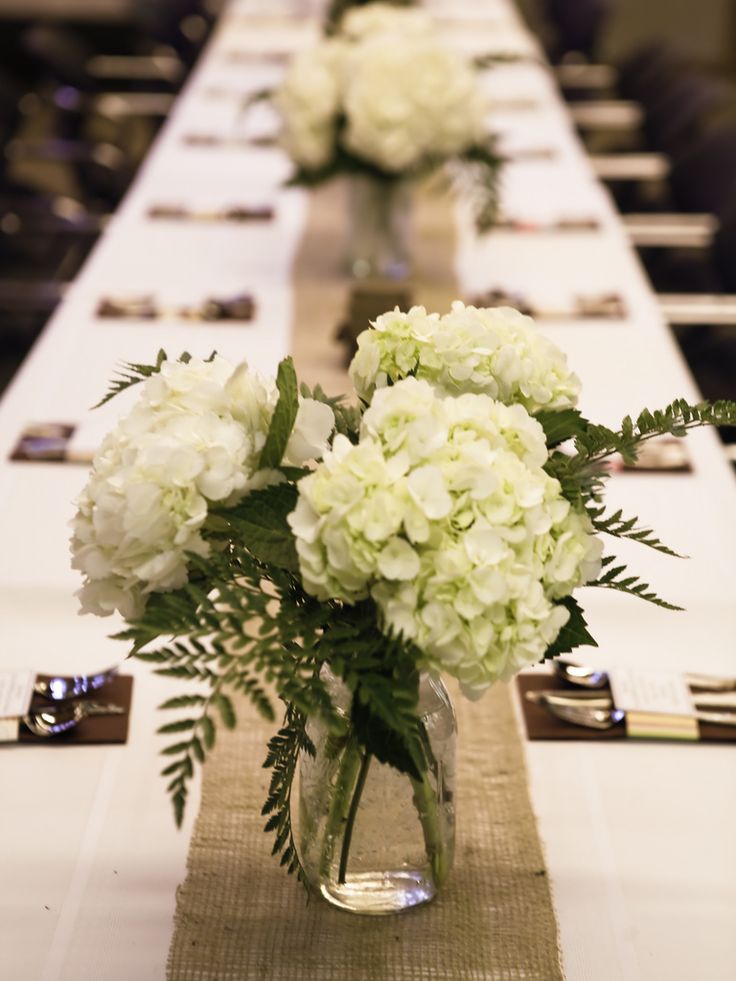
{"x":676,"y":419}
{"x":132,"y":374}
{"x":615,"y":577}
{"x":475,"y":175}
{"x":282,"y":758}
{"x":620,"y":527}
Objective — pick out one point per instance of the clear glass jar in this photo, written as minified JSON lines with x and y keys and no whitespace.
{"x":379,"y":227}
{"x":374,"y":840}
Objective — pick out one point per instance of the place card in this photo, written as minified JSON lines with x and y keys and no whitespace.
{"x":657,"y":704}
{"x":599,"y":306}
{"x":16,"y":691}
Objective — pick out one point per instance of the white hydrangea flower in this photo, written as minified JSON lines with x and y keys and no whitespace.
{"x":194,"y":437}
{"x":496,"y":351}
{"x":409,"y":100}
{"x":312,"y":429}
{"x":359,"y":23}
{"x":444,"y":514}
{"x":396,"y":118}
{"x":308,"y":102}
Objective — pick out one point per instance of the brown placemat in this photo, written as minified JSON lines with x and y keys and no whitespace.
{"x":238,"y":915}
{"x":541,"y":724}
{"x":97,"y":728}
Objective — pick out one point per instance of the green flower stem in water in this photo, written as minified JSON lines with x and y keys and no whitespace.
{"x":354,"y":805}
{"x":340,"y":799}
{"x":345,"y":802}
{"x":425,"y":801}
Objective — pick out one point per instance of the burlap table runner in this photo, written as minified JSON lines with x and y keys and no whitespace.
{"x":238,"y":915}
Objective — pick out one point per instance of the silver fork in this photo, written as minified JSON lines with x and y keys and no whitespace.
{"x":60,"y":688}
{"x":60,"y":718}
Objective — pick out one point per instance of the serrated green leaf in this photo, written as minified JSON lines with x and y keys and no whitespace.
{"x":225,"y":707}
{"x":181,"y":725}
{"x":260,"y":522}
{"x":172,"y":768}
{"x":560,"y":424}
{"x":282,"y":421}
{"x":182,"y":701}
{"x":198,"y":749}
{"x":573,"y":634}
{"x":208,"y":731}
{"x":178,"y":801}
{"x":175,"y":749}
{"x":614,"y":578}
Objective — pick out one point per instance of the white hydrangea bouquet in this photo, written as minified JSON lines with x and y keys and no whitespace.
{"x":252,"y":532}
{"x":385,"y":98}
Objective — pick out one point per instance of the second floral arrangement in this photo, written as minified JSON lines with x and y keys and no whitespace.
{"x":384,"y":97}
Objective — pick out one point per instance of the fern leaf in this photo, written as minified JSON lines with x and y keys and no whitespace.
{"x":620,"y":527}
{"x":614,"y":578}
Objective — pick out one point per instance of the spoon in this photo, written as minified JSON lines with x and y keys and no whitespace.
{"x":55,"y":719}
{"x":60,"y":688}
{"x":587,"y":677}
{"x":580,"y":713}
{"x":592,"y":715}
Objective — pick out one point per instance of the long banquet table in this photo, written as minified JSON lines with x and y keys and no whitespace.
{"x":638,"y":837}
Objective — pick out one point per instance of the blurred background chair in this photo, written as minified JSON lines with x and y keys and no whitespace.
{"x":80,"y":103}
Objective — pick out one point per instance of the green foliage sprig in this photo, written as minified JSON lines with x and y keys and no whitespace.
{"x":282,"y":759}
{"x":132,"y":374}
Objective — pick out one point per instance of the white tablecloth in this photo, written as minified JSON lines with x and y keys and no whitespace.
{"x":639,"y":838}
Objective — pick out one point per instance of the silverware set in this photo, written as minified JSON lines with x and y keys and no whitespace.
{"x":556,"y":225}
{"x":593,"y":678}
{"x":596,"y":712}
{"x":233,"y":142}
{"x":65,"y":710}
{"x":603,"y":306}
{"x":589,"y":703}
{"x":60,"y":718}
{"x":235,"y":213}
{"x":145,"y":307}
{"x":62,"y":688}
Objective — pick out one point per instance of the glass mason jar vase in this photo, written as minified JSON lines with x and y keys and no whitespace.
{"x":374,"y":840}
{"x":379,"y":226}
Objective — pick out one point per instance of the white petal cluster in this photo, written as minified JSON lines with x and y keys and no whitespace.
{"x":443,"y":514}
{"x":308,"y":102}
{"x":194,"y":437}
{"x":409,"y":100}
{"x":496,"y":351}
{"x":359,"y":23}
{"x":387,"y":89}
